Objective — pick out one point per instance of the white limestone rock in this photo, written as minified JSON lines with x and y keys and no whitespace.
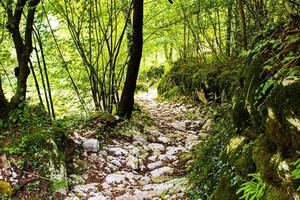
{"x":118,"y":151}
{"x":155,"y":165}
{"x":179,"y":125}
{"x":115,"y":178}
{"x":162,"y":171}
{"x":164,"y":139}
{"x":172,"y":150}
{"x":83,"y":190}
{"x":98,"y":196}
{"x":91,"y":145}
{"x":132,"y":162}
{"x":156,"y":147}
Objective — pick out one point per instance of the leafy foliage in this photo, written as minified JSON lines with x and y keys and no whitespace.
{"x":296,"y":172}
{"x":254,"y":189}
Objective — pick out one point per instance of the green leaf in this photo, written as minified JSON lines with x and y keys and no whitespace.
{"x":267,"y":85}
{"x":288,"y":58}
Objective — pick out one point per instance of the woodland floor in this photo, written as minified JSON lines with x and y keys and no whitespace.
{"x":145,"y":165}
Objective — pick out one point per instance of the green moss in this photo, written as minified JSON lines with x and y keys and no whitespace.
{"x":224,"y":190}
{"x":188,"y":77}
{"x":242,"y":162}
{"x":263,"y":155}
{"x":272,"y":194}
{"x":5,"y":188}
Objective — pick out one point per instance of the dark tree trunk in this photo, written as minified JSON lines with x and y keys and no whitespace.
{"x":228,"y":34}
{"x":127,"y":98}
{"x":3,"y":103}
{"x":23,"y":48}
{"x":242,"y":24}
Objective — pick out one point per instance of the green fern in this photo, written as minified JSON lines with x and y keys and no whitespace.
{"x":254,"y":189}
{"x":296,"y":172}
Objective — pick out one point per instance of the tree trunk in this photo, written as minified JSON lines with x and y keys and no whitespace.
{"x":228,"y":34}
{"x":3,"y":103}
{"x":23,"y":48}
{"x":242,"y":24}
{"x":127,"y":98}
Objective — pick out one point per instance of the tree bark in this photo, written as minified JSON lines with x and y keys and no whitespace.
{"x":3,"y":103}
{"x":23,"y":48}
{"x":242,"y":24}
{"x":228,"y":34}
{"x":127,"y":98}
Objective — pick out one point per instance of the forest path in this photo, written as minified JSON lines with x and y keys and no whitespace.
{"x":149,"y":165}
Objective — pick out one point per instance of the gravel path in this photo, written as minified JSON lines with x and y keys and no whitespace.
{"x":146,"y":166}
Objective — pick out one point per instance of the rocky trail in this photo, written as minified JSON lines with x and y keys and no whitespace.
{"x":148,"y":165}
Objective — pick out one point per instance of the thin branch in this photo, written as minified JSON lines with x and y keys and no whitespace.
{"x":294,"y":2}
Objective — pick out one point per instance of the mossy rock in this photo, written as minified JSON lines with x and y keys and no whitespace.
{"x":241,"y":160}
{"x":283,"y":113}
{"x":263,"y":156}
{"x":5,"y":188}
{"x":273,"y":194}
{"x":224,"y":190}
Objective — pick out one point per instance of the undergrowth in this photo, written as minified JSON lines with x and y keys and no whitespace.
{"x":261,"y":88}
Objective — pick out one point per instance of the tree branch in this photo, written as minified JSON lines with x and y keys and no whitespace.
{"x":294,"y":2}
{"x":29,"y":25}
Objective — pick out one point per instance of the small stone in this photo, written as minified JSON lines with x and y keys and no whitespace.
{"x":84,"y":189}
{"x":164,"y":140}
{"x":162,"y":171}
{"x":167,"y":157}
{"x":174,"y":150}
{"x":108,"y":193}
{"x":98,"y":196}
{"x":132,"y":162}
{"x":103,"y":153}
{"x":118,"y":151}
{"x":179,"y":125}
{"x":145,"y":180}
{"x":91,"y":145}
{"x":112,"y":167}
{"x":155,"y":165}
{"x":135,"y":151}
{"x":199,"y":122}
{"x":72,"y":197}
{"x":116,"y":162}
{"x":156,"y":147}
{"x":152,"y":158}
{"x":139,"y":138}
{"x":114,"y":178}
